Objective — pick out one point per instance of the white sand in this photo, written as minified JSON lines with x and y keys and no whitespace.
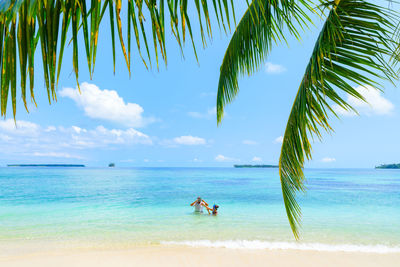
{"x":188,"y":256}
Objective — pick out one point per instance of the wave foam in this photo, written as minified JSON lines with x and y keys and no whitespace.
{"x":257,"y":244}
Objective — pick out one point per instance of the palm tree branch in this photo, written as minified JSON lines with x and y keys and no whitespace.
{"x":59,"y":20}
{"x":262,"y":25}
{"x":350,"y":49}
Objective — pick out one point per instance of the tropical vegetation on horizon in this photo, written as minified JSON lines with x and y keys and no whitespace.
{"x":356,"y":47}
{"x":388,"y":166}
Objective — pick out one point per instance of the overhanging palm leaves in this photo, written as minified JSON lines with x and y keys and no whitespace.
{"x":262,"y":25}
{"x":352,"y":49}
{"x":25,"y":24}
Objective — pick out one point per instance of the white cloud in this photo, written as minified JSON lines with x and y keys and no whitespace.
{"x":101,"y":136}
{"x":212,"y":111}
{"x":328,"y":160}
{"x":256,"y":159}
{"x":19,"y":127}
{"x":127,"y":160}
{"x":222,"y":158}
{"x":279,"y":140}
{"x":107,"y":105}
{"x":271,"y":68}
{"x":31,"y":139}
{"x":249,"y":142}
{"x":78,"y":130}
{"x":197,"y":160}
{"x":341,"y":111}
{"x":208,"y":114}
{"x":5,"y":138}
{"x":189,"y":140}
{"x":50,"y":129}
{"x":376,"y":104}
{"x":56,"y":155}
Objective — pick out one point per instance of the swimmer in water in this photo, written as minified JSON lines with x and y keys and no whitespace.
{"x":199,"y":204}
{"x":214,"y":210}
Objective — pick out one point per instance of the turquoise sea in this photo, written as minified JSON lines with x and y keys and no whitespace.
{"x":343,"y":209}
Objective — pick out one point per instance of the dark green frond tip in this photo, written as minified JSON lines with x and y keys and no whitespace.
{"x":262,"y":25}
{"x":351,"y":50}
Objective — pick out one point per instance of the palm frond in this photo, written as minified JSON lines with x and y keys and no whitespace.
{"x":262,"y":25}
{"x":352,"y":48}
{"x":52,"y":23}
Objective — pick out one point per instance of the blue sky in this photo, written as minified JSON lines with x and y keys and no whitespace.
{"x":167,"y":117}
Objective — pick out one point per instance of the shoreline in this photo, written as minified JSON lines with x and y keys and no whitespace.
{"x":178,"y":255}
{"x":295,"y":246}
{"x":28,"y":246}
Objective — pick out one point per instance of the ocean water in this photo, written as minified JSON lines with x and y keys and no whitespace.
{"x":343,"y":209}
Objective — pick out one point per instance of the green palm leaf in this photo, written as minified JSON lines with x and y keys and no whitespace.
{"x":261,"y":26}
{"x":352,"y":49}
{"x":26,"y":23}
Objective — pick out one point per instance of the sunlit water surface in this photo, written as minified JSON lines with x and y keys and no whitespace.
{"x":354,"y":207}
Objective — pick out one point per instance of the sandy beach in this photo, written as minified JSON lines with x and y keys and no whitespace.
{"x":188,"y":256}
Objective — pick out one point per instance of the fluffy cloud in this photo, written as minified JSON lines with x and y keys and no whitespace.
{"x":222,"y":158}
{"x":31,"y":139}
{"x":249,"y":142}
{"x":50,"y":129}
{"x":328,"y":160}
{"x":56,"y":155}
{"x":279,"y":140}
{"x":210,"y":113}
{"x":78,"y":130}
{"x":19,"y":128}
{"x":101,"y":137}
{"x":341,"y":111}
{"x":271,"y":68}
{"x":189,"y":140}
{"x":256,"y":159}
{"x":376,"y":104}
{"x":106,"y":105}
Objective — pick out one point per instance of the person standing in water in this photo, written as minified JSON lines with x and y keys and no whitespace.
{"x":199,"y":204}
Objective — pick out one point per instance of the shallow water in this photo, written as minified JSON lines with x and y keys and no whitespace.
{"x":359,"y":208}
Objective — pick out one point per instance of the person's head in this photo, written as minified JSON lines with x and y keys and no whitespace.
{"x":215,"y":207}
{"x":198,"y":199}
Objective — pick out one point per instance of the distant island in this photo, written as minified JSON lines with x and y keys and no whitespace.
{"x":256,"y":166}
{"x":111,"y":165}
{"x":388,"y":166}
{"x":45,"y":165}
